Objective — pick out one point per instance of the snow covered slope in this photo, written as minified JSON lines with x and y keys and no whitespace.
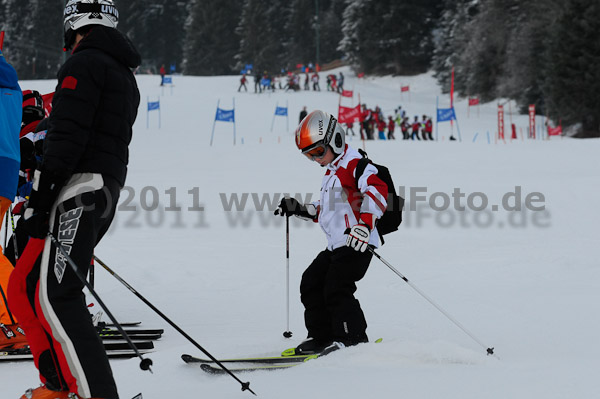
{"x":526,"y":283}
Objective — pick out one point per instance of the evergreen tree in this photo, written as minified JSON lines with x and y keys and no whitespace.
{"x":48,"y":39}
{"x":300,"y":45}
{"x":19,"y":39}
{"x":262,"y":33}
{"x":156,"y":27}
{"x":331,"y":30}
{"x":210,"y":47}
{"x":452,"y":35}
{"x":388,"y":36}
{"x":573,"y":79}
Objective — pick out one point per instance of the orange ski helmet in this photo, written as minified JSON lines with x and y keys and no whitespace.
{"x":317,"y":131}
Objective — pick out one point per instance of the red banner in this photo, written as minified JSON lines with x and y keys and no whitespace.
{"x":347,"y":93}
{"x":501,"y":122}
{"x":349,"y":115}
{"x":361,"y":75}
{"x":532,"y":121}
{"x":405,"y":88}
{"x":554,"y":131}
{"x":473,"y":101}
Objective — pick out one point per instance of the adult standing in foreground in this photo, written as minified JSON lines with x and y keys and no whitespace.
{"x":74,"y":197}
{"x":347,"y":212}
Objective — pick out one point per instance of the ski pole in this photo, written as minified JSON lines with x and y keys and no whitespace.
{"x":287,"y":333}
{"x":245,"y":385}
{"x":145,"y":363}
{"x":489,"y":350}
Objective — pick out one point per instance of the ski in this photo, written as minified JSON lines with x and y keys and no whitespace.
{"x":264,"y":360}
{"x":133,"y":331}
{"x":267,"y":367}
{"x":144,"y":337}
{"x":18,"y":354}
{"x":125,"y":345}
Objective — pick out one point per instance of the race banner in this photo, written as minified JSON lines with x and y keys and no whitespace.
{"x":446,"y":114}
{"x":554,"y":131}
{"x":500,"y":122}
{"x":347,"y":93}
{"x":349,"y":115}
{"x":532,"y":121}
{"x":473,"y":101}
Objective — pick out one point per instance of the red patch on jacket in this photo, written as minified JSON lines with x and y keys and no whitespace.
{"x":69,"y":83}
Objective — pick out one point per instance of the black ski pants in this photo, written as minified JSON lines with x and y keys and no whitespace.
{"x":332,"y":313}
{"x":66,"y":347}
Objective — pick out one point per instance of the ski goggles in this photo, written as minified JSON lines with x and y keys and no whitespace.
{"x":315,"y":151}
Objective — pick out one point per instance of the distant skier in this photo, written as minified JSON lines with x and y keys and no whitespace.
{"x":428,"y":129}
{"x":416,"y":126}
{"x":347,"y":213}
{"x":391,"y":125}
{"x":340,"y":82}
{"x":315,"y":81}
{"x":257,"y":82}
{"x":243,"y":81}
{"x":303,"y":114}
{"x":162,"y":72}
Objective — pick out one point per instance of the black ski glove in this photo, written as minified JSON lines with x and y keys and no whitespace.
{"x":46,"y":187}
{"x":291,"y":207}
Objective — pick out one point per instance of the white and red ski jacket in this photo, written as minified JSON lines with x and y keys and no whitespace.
{"x":342,"y":204}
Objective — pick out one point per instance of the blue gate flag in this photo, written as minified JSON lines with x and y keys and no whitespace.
{"x":281,"y":111}
{"x":168,"y":80}
{"x":445,"y":114}
{"x":225,"y":115}
{"x":153,"y":105}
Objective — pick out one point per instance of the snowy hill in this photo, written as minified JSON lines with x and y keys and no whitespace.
{"x":526,"y":283}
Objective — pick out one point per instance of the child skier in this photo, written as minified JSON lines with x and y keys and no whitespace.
{"x":347,"y":211}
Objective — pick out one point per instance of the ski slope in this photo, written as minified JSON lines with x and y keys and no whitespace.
{"x":526,"y":283}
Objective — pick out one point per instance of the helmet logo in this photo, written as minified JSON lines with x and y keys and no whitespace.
{"x":71,"y":9}
{"x":320,"y":127}
{"x":330,"y":129}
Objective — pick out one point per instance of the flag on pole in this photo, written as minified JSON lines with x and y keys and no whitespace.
{"x":349,"y":115}
{"x":281,"y":111}
{"x":225,"y":115}
{"x":152,"y":106}
{"x":446,"y":114}
{"x":347,"y":93}
{"x":405,"y":89}
{"x":555,"y":131}
{"x":473,"y":101}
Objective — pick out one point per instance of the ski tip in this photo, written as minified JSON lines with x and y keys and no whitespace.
{"x":186,"y":358}
{"x":379,"y":340}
